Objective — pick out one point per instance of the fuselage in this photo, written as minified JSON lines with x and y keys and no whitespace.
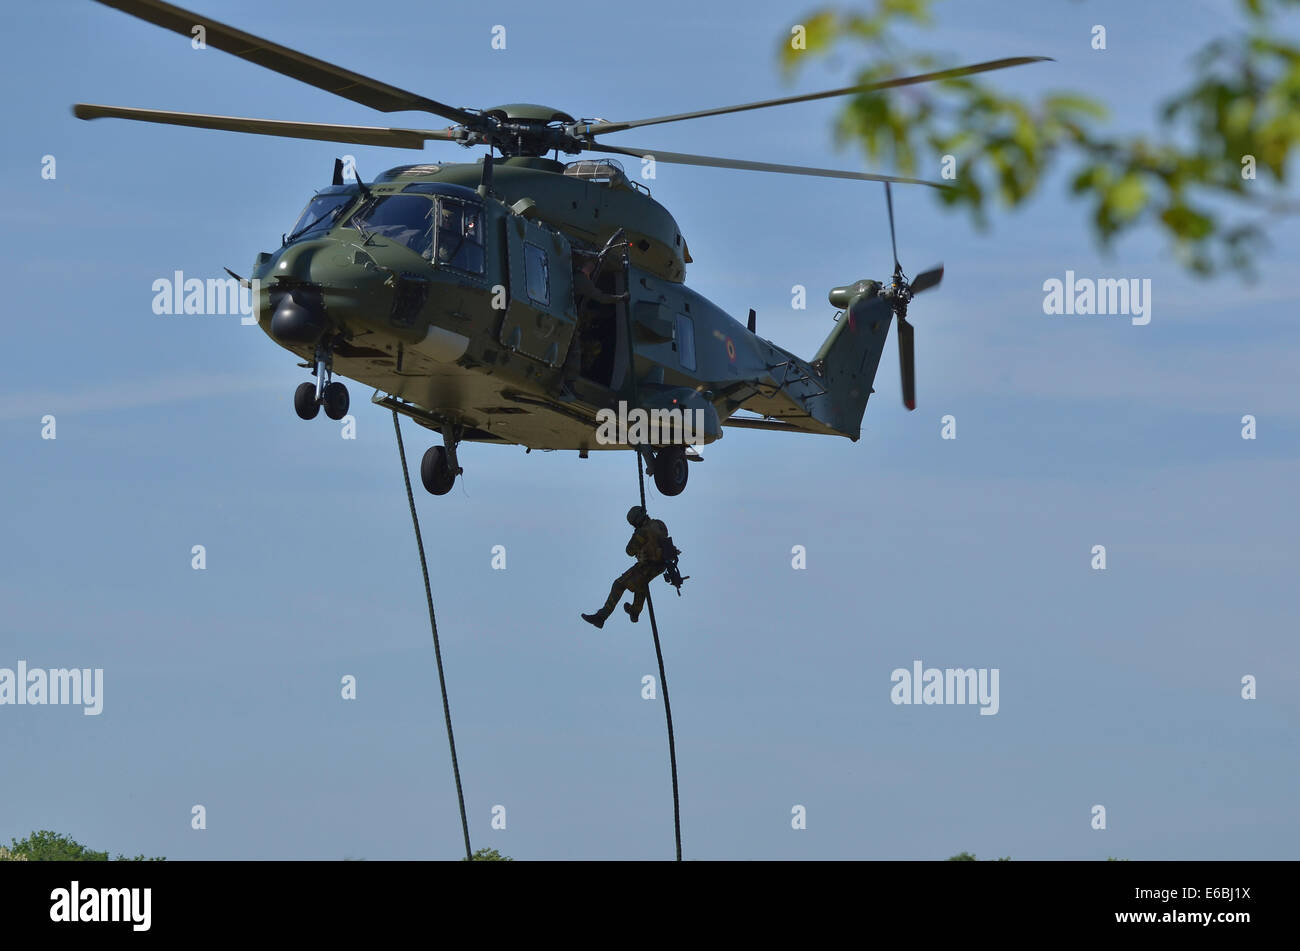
{"x":460,"y":300}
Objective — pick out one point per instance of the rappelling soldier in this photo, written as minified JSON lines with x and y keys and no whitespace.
{"x":654,"y":552}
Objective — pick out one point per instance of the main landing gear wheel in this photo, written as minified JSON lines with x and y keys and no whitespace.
{"x":304,"y":401}
{"x":671,"y":470}
{"x":335,"y":400}
{"x":436,"y":472}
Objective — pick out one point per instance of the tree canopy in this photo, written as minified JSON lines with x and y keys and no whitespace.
{"x":47,"y":846}
{"x":1211,"y":179}
{"x":488,"y":855}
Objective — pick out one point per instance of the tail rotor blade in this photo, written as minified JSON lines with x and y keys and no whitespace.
{"x":907,"y":362}
{"x":927,"y":279}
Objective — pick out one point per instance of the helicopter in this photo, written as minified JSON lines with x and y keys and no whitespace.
{"x":522,"y":300}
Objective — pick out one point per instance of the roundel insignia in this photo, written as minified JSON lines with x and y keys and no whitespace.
{"x":731,"y":350}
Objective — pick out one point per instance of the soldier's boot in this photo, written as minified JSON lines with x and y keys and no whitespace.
{"x":634,"y":609}
{"x":600,"y":617}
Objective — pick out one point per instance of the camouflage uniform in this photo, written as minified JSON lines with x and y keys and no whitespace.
{"x":647,"y":546}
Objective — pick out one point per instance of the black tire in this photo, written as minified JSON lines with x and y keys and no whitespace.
{"x":671,"y":470}
{"x":435,"y":471}
{"x":335,"y":400}
{"x":304,"y":401}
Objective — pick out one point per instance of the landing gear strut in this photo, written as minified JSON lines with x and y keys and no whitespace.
{"x":438,"y":468}
{"x":326,"y":391}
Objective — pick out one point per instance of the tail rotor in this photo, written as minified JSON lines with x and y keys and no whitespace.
{"x":899,"y":293}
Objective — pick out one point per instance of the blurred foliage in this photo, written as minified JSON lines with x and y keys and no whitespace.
{"x":47,"y":846}
{"x":1188,"y":179}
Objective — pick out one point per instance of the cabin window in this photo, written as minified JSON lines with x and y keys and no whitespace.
{"x":460,"y":235}
{"x":684,"y":341}
{"x":536,"y":276}
{"x":405,"y":219}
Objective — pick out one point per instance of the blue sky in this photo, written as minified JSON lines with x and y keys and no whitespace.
{"x":1119,"y":688}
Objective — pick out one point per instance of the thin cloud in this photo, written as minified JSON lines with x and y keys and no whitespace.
{"x":133,"y":394}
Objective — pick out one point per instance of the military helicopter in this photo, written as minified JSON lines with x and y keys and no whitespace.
{"x":467,"y":294}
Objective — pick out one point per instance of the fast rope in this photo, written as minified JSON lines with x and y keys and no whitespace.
{"x":621,"y":286}
{"x":663,"y":682}
{"x":437,"y":650}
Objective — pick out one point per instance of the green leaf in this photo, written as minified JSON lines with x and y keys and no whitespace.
{"x":1128,"y":196}
{"x":1187,"y":224}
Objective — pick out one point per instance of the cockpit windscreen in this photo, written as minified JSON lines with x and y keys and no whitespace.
{"x":319,"y":215}
{"x":406,"y":219}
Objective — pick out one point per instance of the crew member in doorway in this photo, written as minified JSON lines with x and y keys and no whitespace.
{"x":587,"y":298}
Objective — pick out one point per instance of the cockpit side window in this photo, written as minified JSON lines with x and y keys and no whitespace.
{"x":406,"y":219}
{"x":460,"y":235}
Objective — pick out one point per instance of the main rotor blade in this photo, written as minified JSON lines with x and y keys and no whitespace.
{"x":287,"y":62}
{"x":907,"y":362}
{"x":354,"y":134}
{"x":685,"y":158}
{"x":596,"y":128}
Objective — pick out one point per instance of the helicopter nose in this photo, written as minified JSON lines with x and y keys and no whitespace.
{"x":295,"y":262}
{"x":299,"y":317}
{"x":298,"y":314}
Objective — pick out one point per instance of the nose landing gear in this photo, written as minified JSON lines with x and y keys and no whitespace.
{"x":309,"y":397}
{"x":335,"y":400}
{"x":305,"y":403}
